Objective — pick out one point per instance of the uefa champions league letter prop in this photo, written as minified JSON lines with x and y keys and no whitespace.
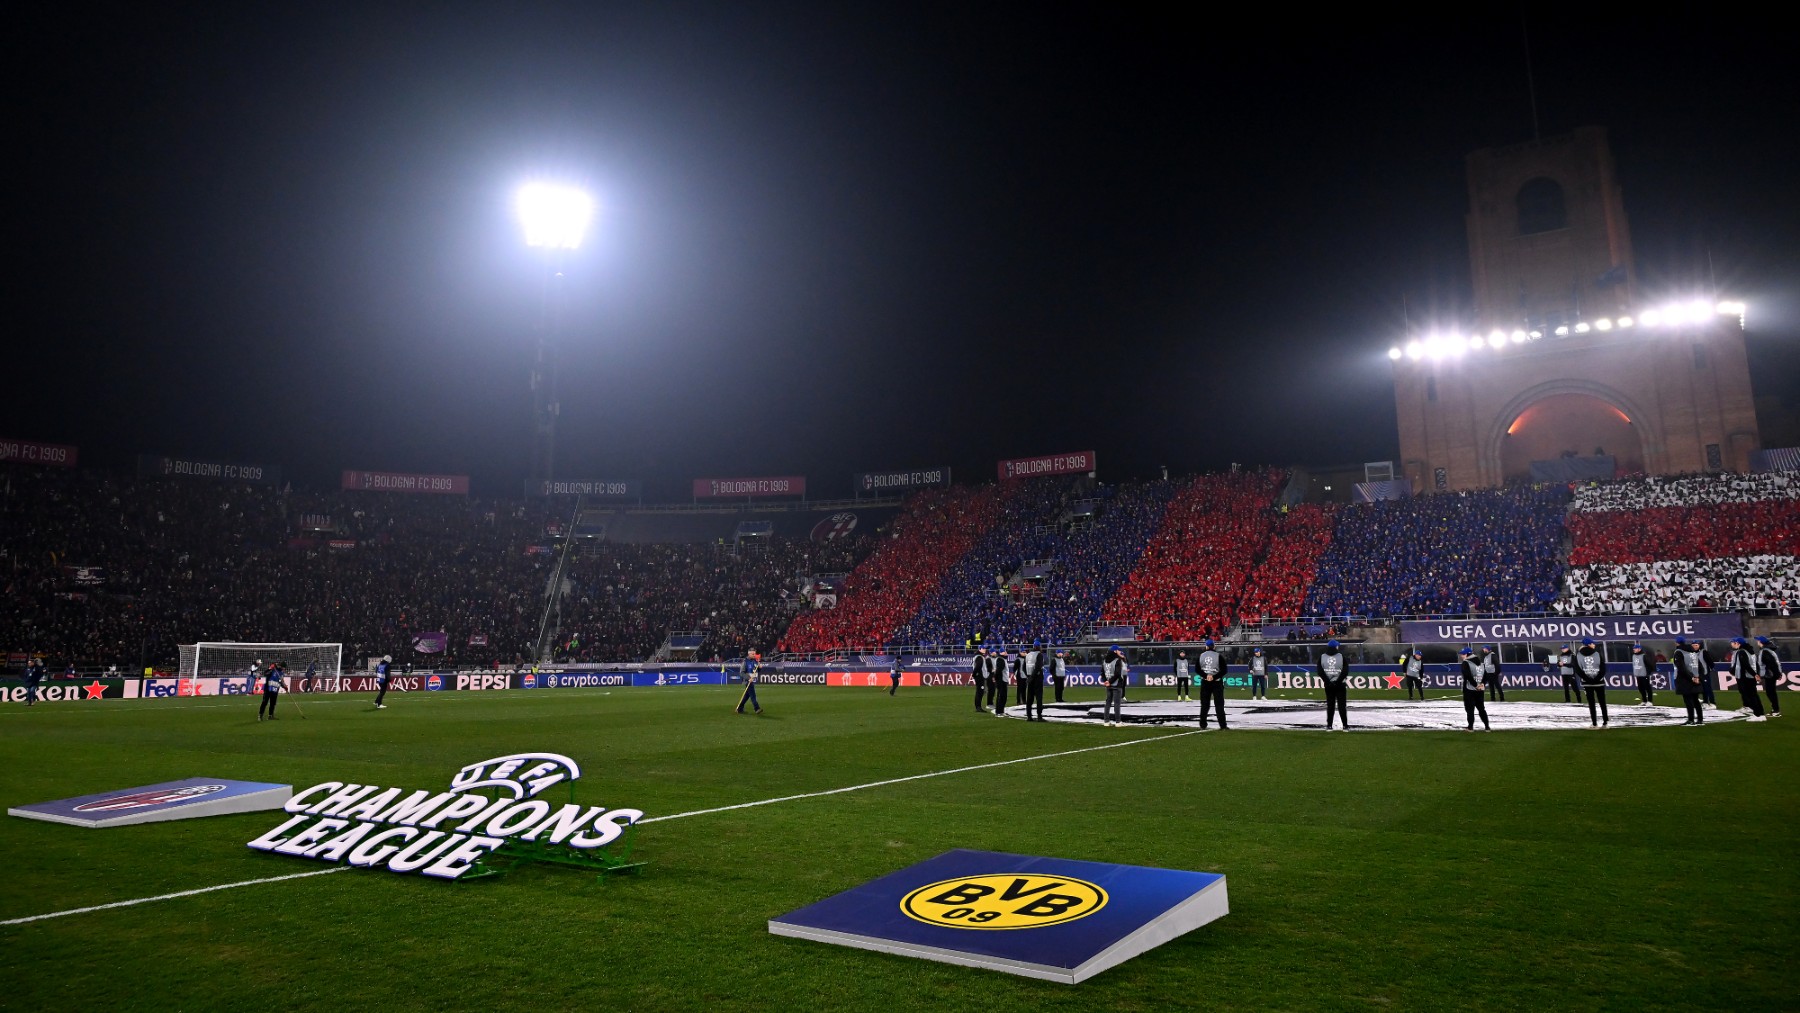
{"x":446,"y":835}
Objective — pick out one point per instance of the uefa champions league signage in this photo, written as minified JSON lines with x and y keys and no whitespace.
{"x":446,"y":834}
{"x":1698,"y":626}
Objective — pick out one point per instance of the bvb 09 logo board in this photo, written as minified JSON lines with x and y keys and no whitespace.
{"x":1007,"y":900}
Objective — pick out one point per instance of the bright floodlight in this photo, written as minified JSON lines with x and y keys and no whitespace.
{"x":1414,"y":350}
{"x":1394,"y":353}
{"x":555,"y":217}
{"x":1496,"y":340}
{"x":1603,"y":324}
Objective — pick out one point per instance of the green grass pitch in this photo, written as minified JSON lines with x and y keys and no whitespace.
{"x":1635,"y":869}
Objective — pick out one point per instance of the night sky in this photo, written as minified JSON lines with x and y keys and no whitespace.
{"x":830,"y":239}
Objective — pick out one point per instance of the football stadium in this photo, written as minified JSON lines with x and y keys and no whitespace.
{"x":381,"y":717}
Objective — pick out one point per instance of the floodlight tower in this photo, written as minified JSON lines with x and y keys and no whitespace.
{"x":555,"y":218}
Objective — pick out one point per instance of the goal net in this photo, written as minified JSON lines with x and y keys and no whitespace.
{"x":250,"y":661}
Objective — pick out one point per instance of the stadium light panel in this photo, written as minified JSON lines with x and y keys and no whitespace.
{"x":554,"y":217}
{"x":1518,"y":337}
{"x":1582,"y":328}
{"x":1394,"y":353}
{"x":1603,"y":324}
{"x":1562,"y":331}
{"x":1496,"y":340}
{"x":1626,"y":322}
{"x":1414,"y":350}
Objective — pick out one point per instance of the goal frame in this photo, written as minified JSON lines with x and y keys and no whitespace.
{"x":328,"y":656}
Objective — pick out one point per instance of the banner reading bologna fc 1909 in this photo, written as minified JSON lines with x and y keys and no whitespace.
{"x":1053,"y":464}
{"x":899,"y":481}
{"x":396,"y":481}
{"x":157,"y":466}
{"x":784,"y":485}
{"x":56,"y":455}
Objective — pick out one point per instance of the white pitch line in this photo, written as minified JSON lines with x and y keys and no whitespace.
{"x":172,"y":896}
{"x":918,"y":777}
{"x":650,"y":819}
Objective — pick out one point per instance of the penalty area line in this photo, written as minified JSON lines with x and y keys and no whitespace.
{"x":919,"y":777}
{"x":172,"y":896}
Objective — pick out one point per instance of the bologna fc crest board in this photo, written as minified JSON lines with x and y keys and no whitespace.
{"x":1050,"y":918}
{"x":151,"y":803}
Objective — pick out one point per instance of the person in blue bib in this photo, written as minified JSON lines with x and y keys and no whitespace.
{"x":384,"y":673}
{"x":272,"y":687}
{"x":751,"y":661}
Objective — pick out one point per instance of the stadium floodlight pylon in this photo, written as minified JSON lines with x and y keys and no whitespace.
{"x":232,"y":659}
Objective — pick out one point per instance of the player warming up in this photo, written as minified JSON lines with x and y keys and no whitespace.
{"x":751,"y":661}
{"x":272,"y":687}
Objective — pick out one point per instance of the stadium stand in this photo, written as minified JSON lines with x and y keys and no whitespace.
{"x":102,"y":570}
{"x":624,"y":599}
{"x":1278,"y":585}
{"x":1059,"y":551}
{"x":1488,"y":551}
{"x":1190,"y":577}
{"x":935,"y":529}
{"x":1726,"y":541}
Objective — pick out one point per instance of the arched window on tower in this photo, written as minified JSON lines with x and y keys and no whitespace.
{"x":1541,"y":207}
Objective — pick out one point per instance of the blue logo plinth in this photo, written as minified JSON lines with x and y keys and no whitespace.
{"x":153,"y":803}
{"x":1051,"y":918}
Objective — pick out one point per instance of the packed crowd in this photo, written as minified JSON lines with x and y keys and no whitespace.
{"x":1492,"y":550}
{"x":1277,"y":586}
{"x":102,"y":570}
{"x":624,"y":599}
{"x":967,"y":600}
{"x":1761,"y":583}
{"x":1644,"y":492}
{"x":1694,"y":541}
{"x":1091,"y":565}
{"x":1191,"y":576}
{"x":934,"y":530}
{"x":1771,"y":527}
